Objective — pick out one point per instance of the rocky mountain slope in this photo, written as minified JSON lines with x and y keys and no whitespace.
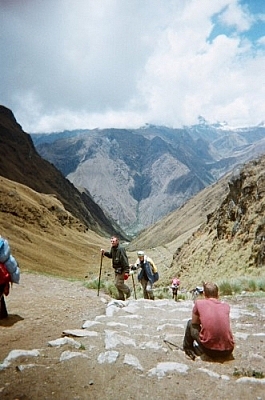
{"x":233,"y":237}
{"x":139,"y":176}
{"x":21,"y":163}
{"x":229,"y":243}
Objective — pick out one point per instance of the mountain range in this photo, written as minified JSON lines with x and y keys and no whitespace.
{"x":139,"y":176}
{"x":215,"y":235}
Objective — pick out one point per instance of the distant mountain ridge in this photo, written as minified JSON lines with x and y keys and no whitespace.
{"x":138,"y":176}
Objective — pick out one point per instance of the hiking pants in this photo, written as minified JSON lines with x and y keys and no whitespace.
{"x":147,"y":289}
{"x":121,"y":287}
{"x":3,"y":310}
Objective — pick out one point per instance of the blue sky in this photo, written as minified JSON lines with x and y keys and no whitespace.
{"x":123,"y":63}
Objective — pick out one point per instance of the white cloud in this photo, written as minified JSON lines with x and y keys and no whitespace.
{"x":124,"y":63}
{"x":237,"y":16}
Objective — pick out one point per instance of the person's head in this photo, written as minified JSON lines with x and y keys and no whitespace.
{"x":140,"y":255}
{"x":210,"y":290}
{"x":114,"y":241}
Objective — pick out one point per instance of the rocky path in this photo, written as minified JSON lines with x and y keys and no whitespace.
{"x":65,"y":342}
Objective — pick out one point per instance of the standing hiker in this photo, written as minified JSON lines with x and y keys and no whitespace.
{"x":175,"y":283}
{"x":148,"y":274}
{"x":9,"y":273}
{"x":209,"y":330}
{"x":121,"y":266}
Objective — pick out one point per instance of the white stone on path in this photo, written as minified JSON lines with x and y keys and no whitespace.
{"x":113,"y":323}
{"x":114,"y":307}
{"x":88,"y":324}
{"x":132,"y":360}
{"x":214,"y":374}
{"x":164,"y":367}
{"x":64,"y":341}
{"x":246,"y":379}
{"x":79,"y":333}
{"x":14,"y":354}
{"x":108,"y":357}
{"x":150,"y":345}
{"x":112,"y":339}
{"x":67,"y":355}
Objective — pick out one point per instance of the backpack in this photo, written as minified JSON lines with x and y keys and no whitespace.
{"x":156,"y":276}
{"x":9,"y":262}
{"x":4,"y":250}
{"x":4,"y":275}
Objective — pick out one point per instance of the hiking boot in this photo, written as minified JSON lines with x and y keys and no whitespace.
{"x":120,"y":297}
{"x":190,"y":354}
{"x":197,"y":349}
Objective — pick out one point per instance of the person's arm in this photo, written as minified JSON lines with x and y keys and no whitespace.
{"x":195,"y":319}
{"x":107,"y":253}
{"x":136,"y":265}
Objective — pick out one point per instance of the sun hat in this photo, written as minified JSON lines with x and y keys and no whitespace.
{"x":140,"y":253}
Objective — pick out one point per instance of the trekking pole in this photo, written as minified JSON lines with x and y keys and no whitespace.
{"x":134,"y":287}
{"x":100,"y":268}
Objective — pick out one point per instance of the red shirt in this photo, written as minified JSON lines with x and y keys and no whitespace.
{"x":215,"y":331}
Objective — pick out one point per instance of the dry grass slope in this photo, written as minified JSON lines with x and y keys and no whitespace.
{"x":44,"y":237}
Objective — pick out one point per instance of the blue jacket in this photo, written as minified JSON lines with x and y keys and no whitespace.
{"x":147,"y":268}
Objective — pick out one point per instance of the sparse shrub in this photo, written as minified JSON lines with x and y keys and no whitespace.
{"x":249,"y":373}
{"x":241,"y":285}
{"x":93,"y":284}
{"x":261,"y":285}
{"x":107,"y":286}
{"x":159,"y":295}
{"x":236,"y":287}
{"x":225,"y":288}
{"x":110,"y":289}
{"x":252,"y":287}
{"x":182,"y":296}
{"x":162,"y":293}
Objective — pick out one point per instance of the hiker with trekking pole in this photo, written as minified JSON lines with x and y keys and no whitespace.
{"x":121,"y":267}
{"x":148,"y":274}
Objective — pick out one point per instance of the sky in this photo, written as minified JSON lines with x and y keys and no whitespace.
{"x":85,"y":64}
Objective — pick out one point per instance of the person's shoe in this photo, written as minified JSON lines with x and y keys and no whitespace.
{"x":190,"y":354}
{"x":197,"y":350}
{"x":128,"y":295}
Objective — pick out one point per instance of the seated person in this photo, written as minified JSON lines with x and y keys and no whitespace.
{"x":209,"y":327}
